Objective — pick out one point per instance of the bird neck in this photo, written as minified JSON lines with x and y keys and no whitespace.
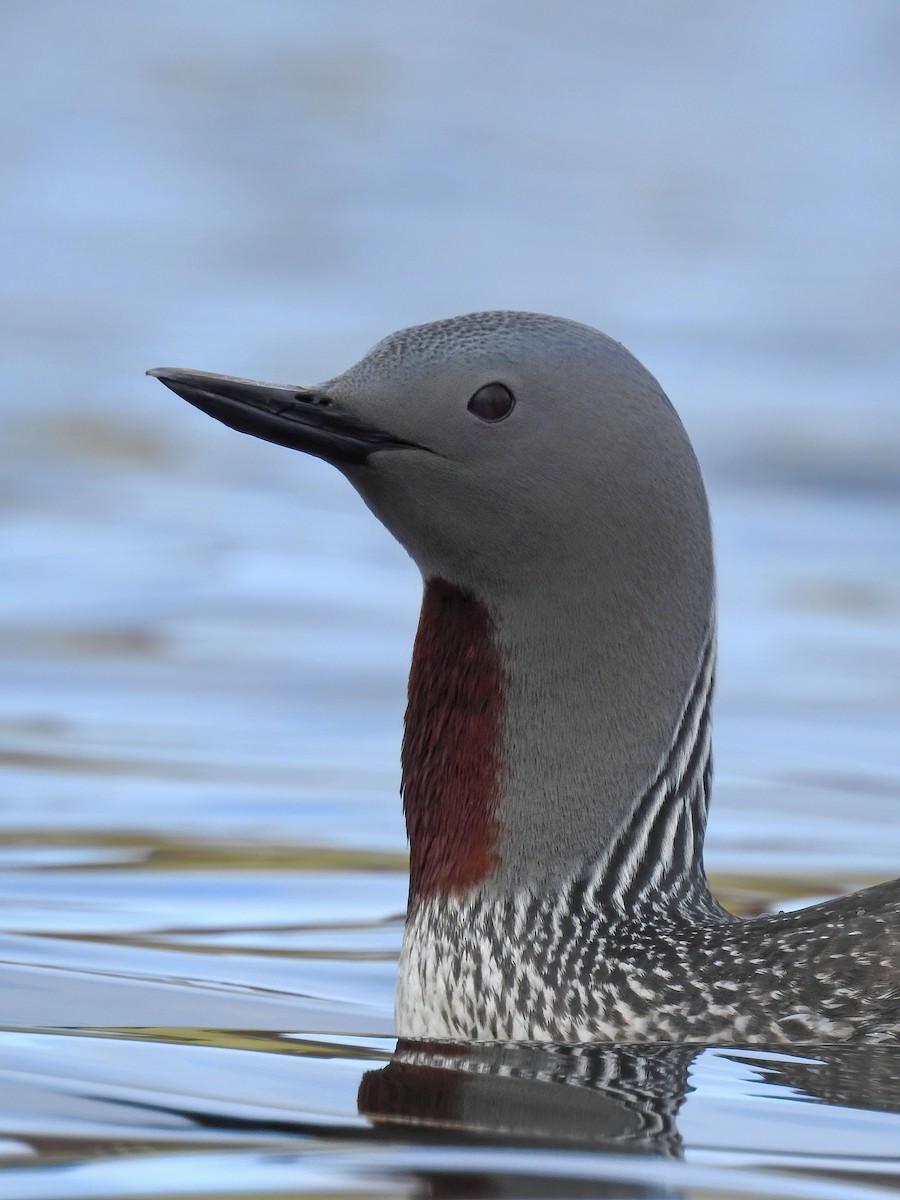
{"x":549,"y":737}
{"x":453,"y":744}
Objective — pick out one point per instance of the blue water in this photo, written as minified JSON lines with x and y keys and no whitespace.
{"x":204,"y":639}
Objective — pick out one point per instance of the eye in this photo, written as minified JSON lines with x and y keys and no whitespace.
{"x":492,"y":402}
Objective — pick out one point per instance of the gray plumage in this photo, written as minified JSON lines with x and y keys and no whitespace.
{"x":578,"y":524}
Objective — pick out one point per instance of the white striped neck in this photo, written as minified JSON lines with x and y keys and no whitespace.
{"x":655,"y":859}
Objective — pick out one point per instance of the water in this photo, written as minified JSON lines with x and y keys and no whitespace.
{"x":205,"y":639}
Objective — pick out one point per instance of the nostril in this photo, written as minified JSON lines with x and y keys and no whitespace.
{"x":316,"y":398}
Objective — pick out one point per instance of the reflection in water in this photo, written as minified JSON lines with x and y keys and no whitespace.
{"x":623,"y":1098}
{"x":616,"y":1098}
{"x":442,"y":1119}
{"x":866,"y":1077}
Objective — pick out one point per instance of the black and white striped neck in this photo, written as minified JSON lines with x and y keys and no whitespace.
{"x":655,"y":859}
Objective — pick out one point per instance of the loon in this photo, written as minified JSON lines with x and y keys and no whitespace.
{"x":556,"y":754}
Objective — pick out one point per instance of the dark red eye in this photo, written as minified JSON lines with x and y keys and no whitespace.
{"x":492,"y":402}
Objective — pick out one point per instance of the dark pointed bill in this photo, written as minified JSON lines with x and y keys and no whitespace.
{"x":298,"y":418}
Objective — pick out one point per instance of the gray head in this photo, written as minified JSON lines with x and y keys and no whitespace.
{"x":544,"y":485}
{"x":590,"y":460}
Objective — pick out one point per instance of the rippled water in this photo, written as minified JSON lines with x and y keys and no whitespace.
{"x":204,"y":639}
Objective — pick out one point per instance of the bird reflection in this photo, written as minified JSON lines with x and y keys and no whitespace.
{"x":623,"y":1099}
{"x":619,"y":1098}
